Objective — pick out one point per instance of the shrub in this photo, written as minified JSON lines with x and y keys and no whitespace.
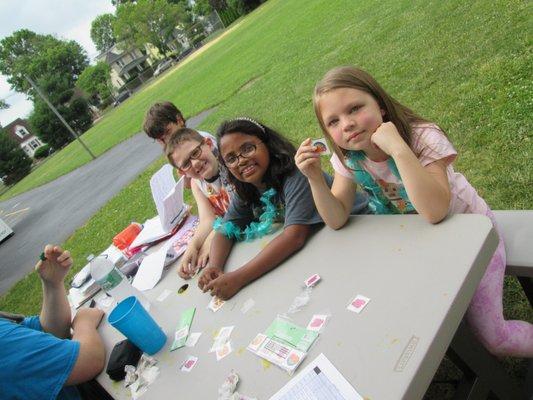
{"x":42,"y":152}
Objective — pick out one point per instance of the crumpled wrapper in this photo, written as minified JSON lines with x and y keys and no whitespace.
{"x":138,"y":379}
{"x":227,"y":390}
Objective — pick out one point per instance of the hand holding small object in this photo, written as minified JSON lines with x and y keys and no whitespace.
{"x":225,"y":286}
{"x":53,"y":265}
{"x":207,"y":276}
{"x":187,"y":267}
{"x":308,"y":160}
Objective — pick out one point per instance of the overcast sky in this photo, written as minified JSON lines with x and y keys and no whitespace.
{"x":65,"y":19}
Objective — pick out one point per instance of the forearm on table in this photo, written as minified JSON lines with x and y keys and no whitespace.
{"x":278,"y":250}
{"x":220,"y":249}
{"x":205,"y":227}
{"x":332,"y":208}
{"x":91,"y":356}
{"x":55,"y":314}
{"x":429,"y":194}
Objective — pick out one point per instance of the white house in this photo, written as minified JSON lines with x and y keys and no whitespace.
{"x":20,"y":131}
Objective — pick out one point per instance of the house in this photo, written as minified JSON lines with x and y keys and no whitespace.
{"x":21,"y":132}
{"x":126,"y":64}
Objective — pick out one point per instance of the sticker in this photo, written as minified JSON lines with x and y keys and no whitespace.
{"x":193,"y":339}
{"x":256,"y":342}
{"x":223,"y":351}
{"x":317,"y":322}
{"x":164,"y":294}
{"x":312,"y":280}
{"x":189,"y":364}
{"x":180,"y":337}
{"x":248,"y":304}
{"x":321,"y":146}
{"x":280,"y":354}
{"x":215,"y":304}
{"x":221,"y":338}
{"x":181,"y":333}
{"x":358,"y":303}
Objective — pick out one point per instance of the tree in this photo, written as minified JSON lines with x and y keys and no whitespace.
{"x":95,"y":80}
{"x":50,"y":129}
{"x":3,"y":105}
{"x":54,"y":65}
{"x":102,"y":32}
{"x":28,"y":53}
{"x":116,"y":3}
{"x":148,"y":21}
{"x":14,"y":163}
{"x":202,"y":7}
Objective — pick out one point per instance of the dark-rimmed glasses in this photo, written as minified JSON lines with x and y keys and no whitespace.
{"x":194,"y":155}
{"x":247,"y":150}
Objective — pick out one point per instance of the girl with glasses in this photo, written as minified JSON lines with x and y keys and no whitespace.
{"x":269,"y":189}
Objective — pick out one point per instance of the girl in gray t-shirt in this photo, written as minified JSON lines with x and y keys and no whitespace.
{"x":268,"y":189}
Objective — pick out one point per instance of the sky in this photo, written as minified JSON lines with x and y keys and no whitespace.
{"x":64,"y":19}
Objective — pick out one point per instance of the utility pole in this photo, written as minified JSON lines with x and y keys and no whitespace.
{"x":59,"y":116}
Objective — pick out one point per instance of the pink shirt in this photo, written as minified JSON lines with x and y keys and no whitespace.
{"x":429,"y":144}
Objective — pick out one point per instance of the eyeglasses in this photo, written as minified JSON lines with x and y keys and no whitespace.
{"x":247,"y":150}
{"x":195,"y":154}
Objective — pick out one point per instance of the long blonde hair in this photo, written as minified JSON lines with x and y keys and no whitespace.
{"x":351,"y":77}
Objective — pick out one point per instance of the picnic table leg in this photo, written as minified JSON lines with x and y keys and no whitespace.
{"x":527,"y":285}
{"x":483,"y":373}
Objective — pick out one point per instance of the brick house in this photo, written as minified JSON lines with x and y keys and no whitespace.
{"x":21,"y":132}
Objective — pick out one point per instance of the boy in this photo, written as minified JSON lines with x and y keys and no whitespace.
{"x":195,"y":156}
{"x":38,"y":359}
{"x":161,"y":120}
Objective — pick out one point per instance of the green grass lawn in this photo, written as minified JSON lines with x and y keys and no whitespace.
{"x":465,"y":65}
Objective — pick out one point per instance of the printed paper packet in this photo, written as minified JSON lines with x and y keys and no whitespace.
{"x":284,"y":344}
{"x":182,"y":331}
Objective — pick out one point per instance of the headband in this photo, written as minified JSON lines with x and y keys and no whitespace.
{"x":252,"y":121}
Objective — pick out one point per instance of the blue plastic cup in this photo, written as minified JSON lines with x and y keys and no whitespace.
{"x":134,"y":322}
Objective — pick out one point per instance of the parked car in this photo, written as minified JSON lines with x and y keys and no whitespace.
{"x":5,"y":231}
{"x":184,"y":54}
{"x":121,"y":97}
{"x":163,"y":66}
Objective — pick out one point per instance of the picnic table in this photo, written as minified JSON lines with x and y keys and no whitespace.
{"x":419,"y":277}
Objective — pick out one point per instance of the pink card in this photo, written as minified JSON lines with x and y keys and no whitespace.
{"x":215,"y":304}
{"x":224,"y":351}
{"x":358,"y":303}
{"x":317,"y":322}
{"x":312,"y":280}
{"x":189,"y":364}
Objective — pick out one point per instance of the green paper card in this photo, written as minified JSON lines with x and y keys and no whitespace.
{"x":182,"y":331}
{"x":291,"y":334}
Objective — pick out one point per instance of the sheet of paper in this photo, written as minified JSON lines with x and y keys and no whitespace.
{"x":318,"y":380}
{"x":152,"y":231}
{"x":151,"y":269}
{"x":192,"y":339}
{"x":168,"y":196}
{"x":221,"y":338}
{"x":161,"y":183}
{"x":164,"y":294}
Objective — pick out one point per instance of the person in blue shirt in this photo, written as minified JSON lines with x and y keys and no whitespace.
{"x":40,"y":358}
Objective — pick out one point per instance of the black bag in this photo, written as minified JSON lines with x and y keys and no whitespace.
{"x":124,"y":353}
